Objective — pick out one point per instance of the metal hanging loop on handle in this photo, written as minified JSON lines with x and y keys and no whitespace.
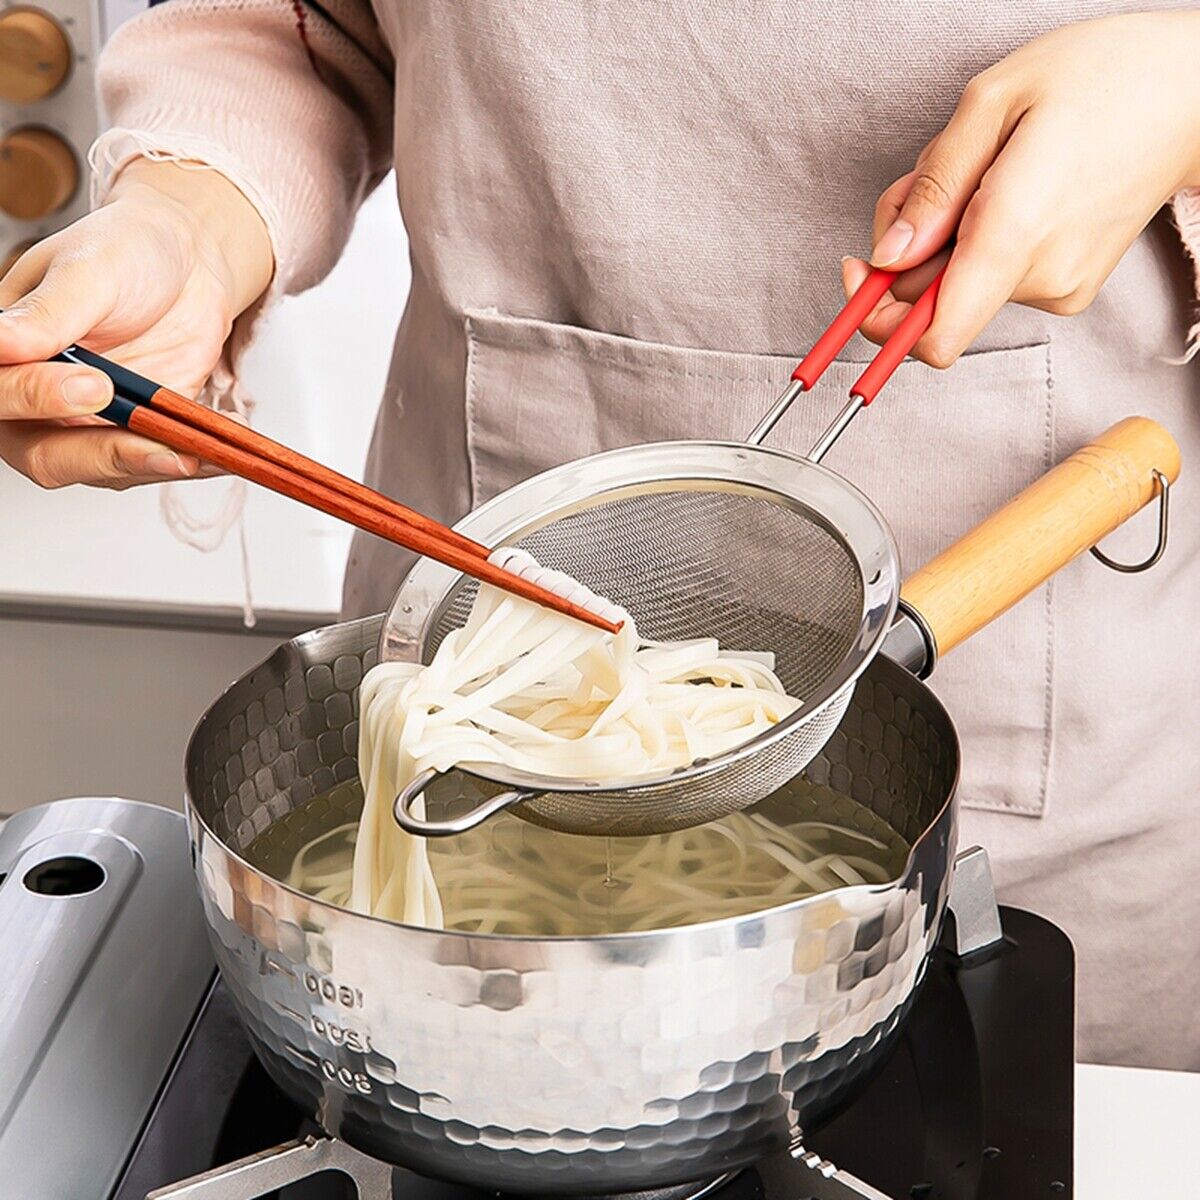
{"x":402,"y":809}
{"x":1164,"y":504}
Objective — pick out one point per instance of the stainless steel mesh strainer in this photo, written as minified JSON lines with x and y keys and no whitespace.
{"x":762,"y":549}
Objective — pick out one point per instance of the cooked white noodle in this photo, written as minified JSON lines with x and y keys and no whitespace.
{"x":522,"y":686}
{"x":514,"y":878}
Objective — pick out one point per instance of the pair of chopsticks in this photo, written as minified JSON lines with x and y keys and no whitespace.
{"x":156,"y":412}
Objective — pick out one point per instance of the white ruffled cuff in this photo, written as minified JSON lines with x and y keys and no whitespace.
{"x":1185,"y":206}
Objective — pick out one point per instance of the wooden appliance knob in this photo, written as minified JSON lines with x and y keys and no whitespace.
{"x":35,"y":55}
{"x":38,"y":173}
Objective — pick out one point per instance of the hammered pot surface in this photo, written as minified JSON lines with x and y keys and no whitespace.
{"x":597,"y":1064}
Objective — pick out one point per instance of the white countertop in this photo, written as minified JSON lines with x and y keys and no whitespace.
{"x":1137,"y":1134}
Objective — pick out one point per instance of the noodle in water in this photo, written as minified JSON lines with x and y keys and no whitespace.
{"x":511,"y":877}
{"x":520,"y":686}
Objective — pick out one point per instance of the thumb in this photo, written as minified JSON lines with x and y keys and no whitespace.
{"x":919,"y":213}
{"x":71,"y":299}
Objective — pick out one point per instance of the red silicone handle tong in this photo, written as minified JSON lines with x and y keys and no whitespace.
{"x":833,"y":340}
{"x":895,"y":350}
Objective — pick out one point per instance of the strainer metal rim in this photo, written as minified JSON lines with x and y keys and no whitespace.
{"x":827,"y":497}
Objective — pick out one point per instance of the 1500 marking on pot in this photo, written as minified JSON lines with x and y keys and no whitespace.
{"x":334,"y":993}
{"x":339,"y":1035}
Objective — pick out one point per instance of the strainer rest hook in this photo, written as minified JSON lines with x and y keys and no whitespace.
{"x":407,"y":819}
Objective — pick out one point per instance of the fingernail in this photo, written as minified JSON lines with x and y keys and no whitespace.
{"x":84,"y":393}
{"x":162,"y":462}
{"x":893,"y":243}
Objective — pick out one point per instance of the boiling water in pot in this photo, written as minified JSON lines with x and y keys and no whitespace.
{"x":512,"y":877}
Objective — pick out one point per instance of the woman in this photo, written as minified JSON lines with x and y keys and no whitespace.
{"x":625,"y":222}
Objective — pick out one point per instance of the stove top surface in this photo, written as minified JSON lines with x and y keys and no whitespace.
{"x":975,"y":1101}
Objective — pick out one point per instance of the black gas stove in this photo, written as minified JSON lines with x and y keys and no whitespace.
{"x":974,"y":1102}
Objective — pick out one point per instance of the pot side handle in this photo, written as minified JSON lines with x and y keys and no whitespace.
{"x":1054,"y":520}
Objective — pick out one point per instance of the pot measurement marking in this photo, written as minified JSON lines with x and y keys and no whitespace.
{"x":352,"y":1081}
{"x":340,"y":1035}
{"x":334,"y":993}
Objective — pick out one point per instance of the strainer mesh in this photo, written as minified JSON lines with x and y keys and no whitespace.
{"x":754,"y":573}
{"x":689,"y":560}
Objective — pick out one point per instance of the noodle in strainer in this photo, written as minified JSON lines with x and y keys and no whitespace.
{"x":757,"y":549}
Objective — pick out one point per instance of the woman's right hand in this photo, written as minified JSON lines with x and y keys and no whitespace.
{"x":153,"y":279}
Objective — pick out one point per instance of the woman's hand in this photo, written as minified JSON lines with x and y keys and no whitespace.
{"x":154,"y":280}
{"x":1054,"y":161}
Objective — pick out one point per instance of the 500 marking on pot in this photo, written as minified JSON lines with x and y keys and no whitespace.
{"x":334,"y":993}
{"x":338,"y":1035}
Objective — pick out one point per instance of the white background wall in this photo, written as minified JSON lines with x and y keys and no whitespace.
{"x":106,"y":710}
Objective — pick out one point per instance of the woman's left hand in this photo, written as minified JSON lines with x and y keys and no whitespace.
{"x":1054,"y":161}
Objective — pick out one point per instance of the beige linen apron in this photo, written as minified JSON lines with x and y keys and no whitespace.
{"x":626,"y":221}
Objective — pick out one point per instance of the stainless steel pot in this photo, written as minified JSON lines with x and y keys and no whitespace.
{"x":558,"y":1064}
{"x":622,"y":1062}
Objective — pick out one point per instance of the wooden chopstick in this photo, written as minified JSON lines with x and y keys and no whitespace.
{"x":140,"y":390}
{"x":142,"y":406}
{"x":235,"y":434}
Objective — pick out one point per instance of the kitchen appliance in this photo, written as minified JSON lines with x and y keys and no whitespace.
{"x":699,"y":539}
{"x":645,"y":1059}
{"x":973,"y":1101}
{"x":48,"y":112}
{"x":105,"y":959}
{"x":648,"y":1059}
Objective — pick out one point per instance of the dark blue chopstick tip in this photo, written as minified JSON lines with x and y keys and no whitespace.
{"x":118,"y":411}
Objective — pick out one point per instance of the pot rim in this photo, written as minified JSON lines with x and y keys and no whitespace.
{"x":716,"y":924}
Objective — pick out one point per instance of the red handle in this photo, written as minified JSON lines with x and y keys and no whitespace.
{"x":843,"y":328}
{"x":896,"y":348}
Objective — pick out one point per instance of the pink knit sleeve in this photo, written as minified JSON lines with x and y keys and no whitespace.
{"x":1186,"y":207}
{"x":291,"y":101}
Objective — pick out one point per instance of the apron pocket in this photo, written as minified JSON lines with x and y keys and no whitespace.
{"x":937,"y":452}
